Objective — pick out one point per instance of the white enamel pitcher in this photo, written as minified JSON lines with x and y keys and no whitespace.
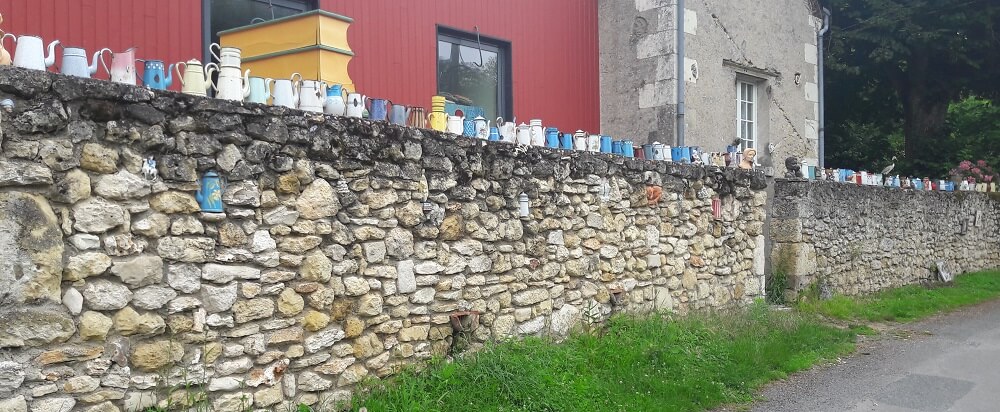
{"x":580,"y":140}
{"x":456,"y":124}
{"x":196,"y":79}
{"x":537,"y":132}
{"x":508,"y":130}
{"x":74,"y":62}
{"x":312,"y":95}
{"x":231,"y":85}
{"x":286,"y":91}
{"x":260,"y":90}
{"x":227,"y":56}
{"x":524,"y":134}
{"x":30,"y":52}
{"x":356,"y":104}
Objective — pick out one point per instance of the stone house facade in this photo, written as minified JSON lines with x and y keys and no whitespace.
{"x":750,"y":74}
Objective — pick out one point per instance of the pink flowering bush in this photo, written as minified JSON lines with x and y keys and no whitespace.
{"x":979,"y":171}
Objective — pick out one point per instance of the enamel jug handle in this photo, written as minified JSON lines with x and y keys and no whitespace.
{"x":177,"y":69}
{"x":211,"y":50}
{"x":103,"y":63}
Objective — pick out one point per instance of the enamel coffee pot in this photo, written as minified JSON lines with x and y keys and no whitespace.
{"x":74,"y":62}
{"x":155,"y":75}
{"x":312,"y":95}
{"x":231,"y":85}
{"x":196,"y":79}
{"x":30,"y":52}
{"x":482,"y":127}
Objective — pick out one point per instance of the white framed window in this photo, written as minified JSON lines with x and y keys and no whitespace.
{"x":746,"y":114}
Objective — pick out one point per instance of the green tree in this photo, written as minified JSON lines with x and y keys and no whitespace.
{"x":974,"y":126}
{"x":898,"y":65}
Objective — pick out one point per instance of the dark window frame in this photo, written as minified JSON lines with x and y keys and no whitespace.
{"x":502,"y":48}
{"x":207,"y":33}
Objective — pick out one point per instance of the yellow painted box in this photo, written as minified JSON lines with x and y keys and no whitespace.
{"x":317,"y":27}
{"x":313,"y":44}
{"x":313,"y":63}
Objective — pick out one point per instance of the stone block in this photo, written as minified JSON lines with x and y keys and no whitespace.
{"x":786,"y":230}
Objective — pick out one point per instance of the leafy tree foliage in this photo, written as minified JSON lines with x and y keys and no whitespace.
{"x":894,"y":69}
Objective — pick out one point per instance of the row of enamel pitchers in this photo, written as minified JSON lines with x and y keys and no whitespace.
{"x":31,"y":53}
{"x":531,"y":134}
{"x":294,"y":92}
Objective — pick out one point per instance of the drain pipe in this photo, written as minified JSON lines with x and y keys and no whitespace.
{"x":680,"y":73}
{"x":822,"y":87}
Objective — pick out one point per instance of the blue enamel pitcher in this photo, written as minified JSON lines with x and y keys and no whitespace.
{"x":153,"y":75}
{"x":552,"y":137}
{"x":681,"y":154}
{"x":209,"y":195}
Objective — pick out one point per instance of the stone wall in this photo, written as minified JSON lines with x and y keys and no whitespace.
{"x":324,"y":268}
{"x":849,"y":239}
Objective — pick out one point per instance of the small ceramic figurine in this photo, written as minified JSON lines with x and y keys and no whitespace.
{"x":718,"y":160}
{"x":793,"y":168}
{"x":8,"y":106}
{"x":695,"y":154}
{"x":748,"y":155}
{"x":149,"y":169}
{"x":653,"y":194}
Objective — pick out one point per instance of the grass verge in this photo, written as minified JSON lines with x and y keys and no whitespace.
{"x":653,"y":363}
{"x":910,"y":302}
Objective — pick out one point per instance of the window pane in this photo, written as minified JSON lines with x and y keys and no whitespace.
{"x":468,"y":77}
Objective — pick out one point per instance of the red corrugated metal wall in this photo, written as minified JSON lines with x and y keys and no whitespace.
{"x":554,"y":47}
{"x":554,"y":43}
{"x":168,"y":30}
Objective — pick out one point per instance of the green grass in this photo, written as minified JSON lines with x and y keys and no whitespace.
{"x":652,"y":363}
{"x":910,"y":302}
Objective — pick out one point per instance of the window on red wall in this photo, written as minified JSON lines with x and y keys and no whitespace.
{"x":474,"y":70}
{"x":221,"y":15}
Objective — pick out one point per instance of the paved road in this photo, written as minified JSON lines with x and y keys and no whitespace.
{"x":949,"y":363}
